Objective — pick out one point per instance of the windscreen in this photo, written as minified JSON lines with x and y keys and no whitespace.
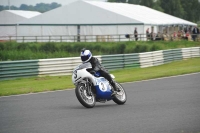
{"x":85,"y":65}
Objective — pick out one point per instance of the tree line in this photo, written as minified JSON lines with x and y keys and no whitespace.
{"x":40,"y":7}
{"x":185,"y":9}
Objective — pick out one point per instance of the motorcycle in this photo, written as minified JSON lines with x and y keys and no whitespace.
{"x":91,"y":87}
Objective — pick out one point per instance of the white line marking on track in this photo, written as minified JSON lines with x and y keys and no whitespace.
{"x":162,"y":78}
{"x":35,"y":93}
{"x":121,"y":83}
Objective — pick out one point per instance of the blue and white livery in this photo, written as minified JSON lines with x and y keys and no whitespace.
{"x":92,"y":88}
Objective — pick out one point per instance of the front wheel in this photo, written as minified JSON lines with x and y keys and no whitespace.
{"x":121,"y":97}
{"x":84,"y":98}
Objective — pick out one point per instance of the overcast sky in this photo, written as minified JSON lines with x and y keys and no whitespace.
{"x":17,"y":3}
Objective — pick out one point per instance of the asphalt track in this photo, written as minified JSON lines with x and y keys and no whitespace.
{"x":168,"y":105}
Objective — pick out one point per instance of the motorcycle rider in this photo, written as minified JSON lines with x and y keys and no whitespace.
{"x":86,"y":56}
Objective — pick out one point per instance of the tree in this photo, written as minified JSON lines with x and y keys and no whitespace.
{"x":119,"y":1}
{"x":13,"y":8}
{"x":2,"y":8}
{"x":148,"y":3}
{"x":41,"y":7}
{"x":54,"y":5}
{"x":191,"y":10}
{"x":172,"y":7}
{"x":134,"y":1}
{"x":157,"y":6}
{"x":23,"y":7}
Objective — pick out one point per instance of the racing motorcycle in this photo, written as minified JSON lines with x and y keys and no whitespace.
{"x":92,"y":87}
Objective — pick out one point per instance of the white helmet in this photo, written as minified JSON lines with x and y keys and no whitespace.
{"x":86,"y":55}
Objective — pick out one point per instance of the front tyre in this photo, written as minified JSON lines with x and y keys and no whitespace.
{"x":121,"y":97}
{"x":83,"y":97}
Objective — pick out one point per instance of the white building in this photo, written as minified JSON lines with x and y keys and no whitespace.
{"x":9,"y":20}
{"x":102,"y":19}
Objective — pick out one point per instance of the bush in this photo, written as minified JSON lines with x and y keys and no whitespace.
{"x":154,"y":47}
{"x":95,"y":47}
{"x":22,"y":46}
{"x":26,"y":51}
{"x":9,"y":45}
{"x":1,"y":46}
{"x":33,"y":48}
{"x":121,"y":48}
{"x":48,"y":48}
{"x":77,"y":48}
{"x":67,"y":48}
{"x":141,"y":48}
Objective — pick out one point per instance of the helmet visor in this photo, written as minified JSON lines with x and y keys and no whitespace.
{"x":84,"y":58}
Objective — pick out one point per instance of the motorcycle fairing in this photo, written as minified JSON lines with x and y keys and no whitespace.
{"x":103,"y":89}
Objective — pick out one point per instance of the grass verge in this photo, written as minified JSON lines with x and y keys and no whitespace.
{"x":29,"y":51}
{"x":41,"y":84}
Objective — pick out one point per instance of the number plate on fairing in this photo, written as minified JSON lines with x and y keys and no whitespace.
{"x":103,"y":84}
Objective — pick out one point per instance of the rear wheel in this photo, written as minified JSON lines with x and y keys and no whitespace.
{"x":120,"y":97}
{"x":84,"y":98}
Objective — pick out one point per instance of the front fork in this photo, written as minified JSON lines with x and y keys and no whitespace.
{"x":88,"y":86}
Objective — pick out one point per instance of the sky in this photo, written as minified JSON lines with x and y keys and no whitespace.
{"x":17,"y":3}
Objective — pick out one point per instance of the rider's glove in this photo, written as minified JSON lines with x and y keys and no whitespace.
{"x":92,"y":72}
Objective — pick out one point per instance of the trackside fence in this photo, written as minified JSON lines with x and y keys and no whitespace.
{"x":99,"y":38}
{"x":65,"y":66}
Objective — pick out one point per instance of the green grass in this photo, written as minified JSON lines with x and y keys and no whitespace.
{"x":34,"y":84}
{"x":171,"y":69}
{"x":41,"y":84}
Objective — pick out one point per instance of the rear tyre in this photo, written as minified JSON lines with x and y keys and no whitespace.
{"x":83,"y":97}
{"x":121,"y":97}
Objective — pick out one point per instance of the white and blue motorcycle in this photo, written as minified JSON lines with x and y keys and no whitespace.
{"x":92,"y":88}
